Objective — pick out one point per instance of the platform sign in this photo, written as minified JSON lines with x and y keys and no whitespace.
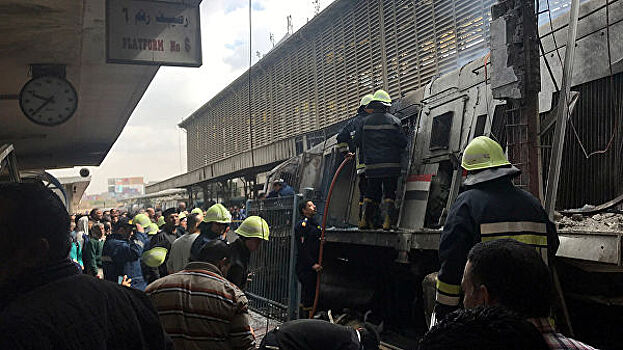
{"x":153,"y":32}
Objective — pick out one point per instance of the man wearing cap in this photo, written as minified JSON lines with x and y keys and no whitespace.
{"x":346,"y":145}
{"x":156,"y":253}
{"x":251,"y":233}
{"x":214,"y":226}
{"x":122,"y":252}
{"x":383,"y":143}
{"x":280,"y":189}
{"x":490,"y":208}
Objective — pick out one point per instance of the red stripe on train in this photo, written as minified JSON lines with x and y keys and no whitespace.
{"x":420,"y":177}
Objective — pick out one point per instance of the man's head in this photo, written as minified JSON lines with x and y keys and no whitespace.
{"x":483,"y":328}
{"x":508,"y":273}
{"x":151,"y":213}
{"x":181,"y":206}
{"x":96,"y":214}
{"x":41,"y":240}
{"x":193,"y":222}
{"x":277,"y":185}
{"x":253,"y":231}
{"x":217,"y":253}
{"x":97,"y":231}
{"x":107,"y":228}
{"x":124,"y":227}
{"x":307,"y":209}
{"x":171,"y":219}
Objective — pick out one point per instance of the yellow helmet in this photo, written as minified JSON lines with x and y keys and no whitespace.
{"x":366,"y":99}
{"x":160,"y":222}
{"x":141,"y":219}
{"x":218,"y":213}
{"x":383,"y":97}
{"x":254,"y":227}
{"x":151,"y":229}
{"x":197,"y":211}
{"x":483,"y":153}
{"x":182,"y":215}
{"x":155,"y":256}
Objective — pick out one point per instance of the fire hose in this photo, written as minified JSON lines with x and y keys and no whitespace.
{"x":325,"y":214}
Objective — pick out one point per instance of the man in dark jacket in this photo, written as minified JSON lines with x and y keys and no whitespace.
{"x":490,"y":208}
{"x":346,"y":145}
{"x":307,"y":235}
{"x":45,"y":302}
{"x":382,"y":142}
{"x":320,"y":335}
{"x":251,"y":233}
{"x":154,"y":261}
{"x":122,"y":252}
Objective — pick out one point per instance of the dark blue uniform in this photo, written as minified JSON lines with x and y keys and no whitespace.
{"x":382,"y":142}
{"x":307,"y":233}
{"x":286,"y":190}
{"x":486,"y":211}
{"x":206,"y":235}
{"x":121,"y":256}
{"x":161,"y":239}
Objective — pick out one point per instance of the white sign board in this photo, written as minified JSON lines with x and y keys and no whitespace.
{"x":153,"y":32}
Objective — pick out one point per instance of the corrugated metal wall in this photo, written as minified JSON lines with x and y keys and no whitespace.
{"x":598,"y":119}
{"x":317,"y":77}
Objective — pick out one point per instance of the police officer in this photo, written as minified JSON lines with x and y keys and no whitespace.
{"x":491,"y":207}
{"x":214,"y":226}
{"x":122,"y":252}
{"x":382,"y":142}
{"x":251,"y":232}
{"x":346,"y":145}
{"x":307,"y":233}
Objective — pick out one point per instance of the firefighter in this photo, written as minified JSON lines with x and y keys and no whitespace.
{"x":252,"y":231}
{"x":490,"y":208}
{"x":214,"y":226}
{"x":347,"y":147}
{"x":307,"y":233}
{"x":382,"y":141}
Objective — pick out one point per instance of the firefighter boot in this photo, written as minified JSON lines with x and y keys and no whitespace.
{"x":360,"y":209}
{"x":390,"y":215}
{"x":368,"y":212}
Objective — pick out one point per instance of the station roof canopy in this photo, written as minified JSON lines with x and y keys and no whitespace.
{"x":70,"y":33}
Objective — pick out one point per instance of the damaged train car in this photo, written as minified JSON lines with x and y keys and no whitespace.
{"x":383,"y":271}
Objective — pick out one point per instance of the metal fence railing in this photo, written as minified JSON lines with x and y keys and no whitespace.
{"x":273,"y":289}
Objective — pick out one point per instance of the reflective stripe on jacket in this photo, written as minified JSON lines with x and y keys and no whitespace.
{"x":382,"y":142}
{"x":200,"y":309}
{"x":490,"y":210}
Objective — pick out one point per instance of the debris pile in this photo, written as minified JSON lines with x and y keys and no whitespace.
{"x":602,"y":222}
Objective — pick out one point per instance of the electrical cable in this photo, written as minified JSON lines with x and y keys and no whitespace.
{"x":612,"y":95}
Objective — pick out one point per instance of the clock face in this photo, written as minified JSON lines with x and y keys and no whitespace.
{"x":48,"y":100}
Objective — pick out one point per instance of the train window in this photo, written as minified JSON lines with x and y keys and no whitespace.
{"x":481,"y":121}
{"x":440,"y":136}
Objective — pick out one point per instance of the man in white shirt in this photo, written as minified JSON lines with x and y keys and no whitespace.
{"x":180,"y":249}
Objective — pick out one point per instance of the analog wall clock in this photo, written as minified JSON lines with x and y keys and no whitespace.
{"x":48,"y":100}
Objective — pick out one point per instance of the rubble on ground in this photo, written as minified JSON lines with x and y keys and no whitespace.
{"x":602,"y":222}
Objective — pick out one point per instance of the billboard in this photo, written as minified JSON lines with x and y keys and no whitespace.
{"x":126,"y":186}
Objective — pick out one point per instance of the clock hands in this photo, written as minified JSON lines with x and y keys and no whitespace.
{"x":47,"y":101}
{"x":38,"y":96}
